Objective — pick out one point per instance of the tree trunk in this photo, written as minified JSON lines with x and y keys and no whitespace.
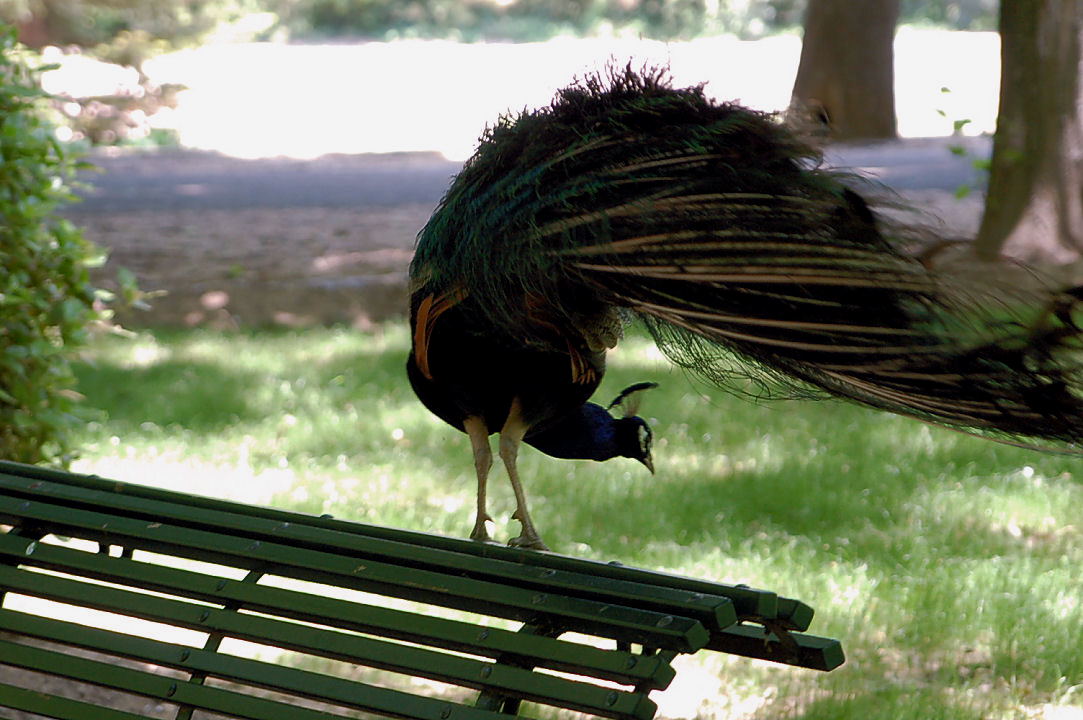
{"x":34,"y":31}
{"x":1034,"y":207}
{"x":846,"y":77}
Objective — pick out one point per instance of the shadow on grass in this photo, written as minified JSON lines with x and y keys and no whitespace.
{"x":845,"y":481}
{"x":203,"y":397}
{"x":926,"y":552}
{"x":204,"y":382}
{"x":890,"y":703}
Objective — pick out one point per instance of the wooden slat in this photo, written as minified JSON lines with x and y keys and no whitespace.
{"x":316,"y":686}
{"x":808,"y":651}
{"x":602,"y":619}
{"x":749,"y":602}
{"x":714,"y":611}
{"x":548,"y":689}
{"x":58,"y":708}
{"x":794,"y":614}
{"x":172,"y":690}
{"x":655,"y":609}
{"x":546,"y":652}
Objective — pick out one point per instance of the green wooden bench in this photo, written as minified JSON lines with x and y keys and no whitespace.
{"x":395,"y":623}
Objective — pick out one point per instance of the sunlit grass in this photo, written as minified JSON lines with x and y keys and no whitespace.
{"x":950,"y":567}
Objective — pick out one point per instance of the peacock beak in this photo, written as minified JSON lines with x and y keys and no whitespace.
{"x":649,"y":462}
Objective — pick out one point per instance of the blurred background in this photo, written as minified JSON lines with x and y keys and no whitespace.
{"x":352,"y":116}
{"x":259,"y":78}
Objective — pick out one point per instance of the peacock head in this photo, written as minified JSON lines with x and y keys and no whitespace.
{"x":633,"y":434}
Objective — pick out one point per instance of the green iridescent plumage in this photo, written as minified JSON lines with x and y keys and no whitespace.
{"x":746,"y":260}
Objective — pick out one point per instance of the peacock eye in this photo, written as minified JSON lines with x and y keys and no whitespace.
{"x":644,"y":439}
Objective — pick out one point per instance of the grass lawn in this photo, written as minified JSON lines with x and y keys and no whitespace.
{"x":950,"y":567}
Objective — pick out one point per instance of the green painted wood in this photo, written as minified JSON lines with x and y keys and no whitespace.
{"x":214,"y":639}
{"x":602,"y":619}
{"x":749,"y":602}
{"x":58,"y":708}
{"x":603,"y":702}
{"x":229,"y":702}
{"x":548,"y":689}
{"x":151,"y":685}
{"x":714,"y":611}
{"x":808,"y":651}
{"x":794,"y":614}
{"x":546,"y":652}
{"x":606,"y":600}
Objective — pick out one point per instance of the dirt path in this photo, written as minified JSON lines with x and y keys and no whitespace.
{"x":277,"y":257}
{"x":253,"y":267}
{"x":296,"y":266}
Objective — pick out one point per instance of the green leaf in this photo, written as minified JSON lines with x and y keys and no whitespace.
{"x":46,"y":301}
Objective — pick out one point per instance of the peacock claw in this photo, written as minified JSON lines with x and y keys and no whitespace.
{"x":481,"y":537}
{"x":529,"y":541}
{"x":480,"y":533}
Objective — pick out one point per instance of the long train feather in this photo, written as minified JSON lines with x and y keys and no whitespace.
{"x":744,"y":258}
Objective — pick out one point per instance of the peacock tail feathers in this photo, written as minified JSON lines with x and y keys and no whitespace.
{"x":749,"y":263}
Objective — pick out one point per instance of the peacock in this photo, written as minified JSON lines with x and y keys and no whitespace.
{"x":750,"y":264}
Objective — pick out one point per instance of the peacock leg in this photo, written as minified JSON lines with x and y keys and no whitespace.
{"x":483,"y":462}
{"x":511,"y":436}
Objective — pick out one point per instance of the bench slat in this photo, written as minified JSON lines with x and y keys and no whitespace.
{"x":794,"y":614}
{"x":317,"y":686}
{"x":347,"y":609}
{"x":173,"y":690}
{"x":58,"y":708}
{"x":749,"y":602}
{"x":715,"y":611}
{"x":809,"y":651}
{"x":620,"y":667}
{"x":607,"y":620}
{"x":466,"y":672}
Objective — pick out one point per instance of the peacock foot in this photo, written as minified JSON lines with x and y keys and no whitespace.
{"x":528,"y":539}
{"x":480,"y":533}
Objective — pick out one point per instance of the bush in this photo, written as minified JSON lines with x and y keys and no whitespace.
{"x":46,"y":301}
{"x":126,"y":31}
{"x":536,"y":19}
